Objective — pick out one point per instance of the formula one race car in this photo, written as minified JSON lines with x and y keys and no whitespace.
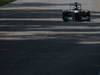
{"x":76,"y":14}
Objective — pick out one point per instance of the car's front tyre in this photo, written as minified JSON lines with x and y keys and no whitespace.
{"x":65,"y":16}
{"x":88,"y":16}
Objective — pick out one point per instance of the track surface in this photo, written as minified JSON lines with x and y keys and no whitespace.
{"x":38,"y":42}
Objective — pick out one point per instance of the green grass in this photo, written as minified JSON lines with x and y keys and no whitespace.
{"x":3,"y":2}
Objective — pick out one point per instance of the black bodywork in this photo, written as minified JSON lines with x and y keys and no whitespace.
{"x":76,"y":14}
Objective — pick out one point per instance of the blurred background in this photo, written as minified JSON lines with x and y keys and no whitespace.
{"x":86,"y":4}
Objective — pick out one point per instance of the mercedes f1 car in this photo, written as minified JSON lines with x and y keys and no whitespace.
{"x":76,"y":14}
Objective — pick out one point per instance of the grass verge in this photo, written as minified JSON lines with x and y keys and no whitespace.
{"x":3,"y":2}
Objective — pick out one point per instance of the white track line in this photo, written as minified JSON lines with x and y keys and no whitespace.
{"x":29,"y":19}
{"x":47,"y":33}
{"x":66,"y":27}
{"x":89,"y":42}
{"x":39,"y":8}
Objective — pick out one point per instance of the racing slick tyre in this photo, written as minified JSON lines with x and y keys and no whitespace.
{"x":88,"y":16}
{"x":65,"y":16}
{"x":88,"y":19}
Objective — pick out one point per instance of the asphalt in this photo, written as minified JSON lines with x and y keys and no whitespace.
{"x":38,"y":42}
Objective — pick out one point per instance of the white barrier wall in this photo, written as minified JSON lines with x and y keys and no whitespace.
{"x":97,"y":5}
